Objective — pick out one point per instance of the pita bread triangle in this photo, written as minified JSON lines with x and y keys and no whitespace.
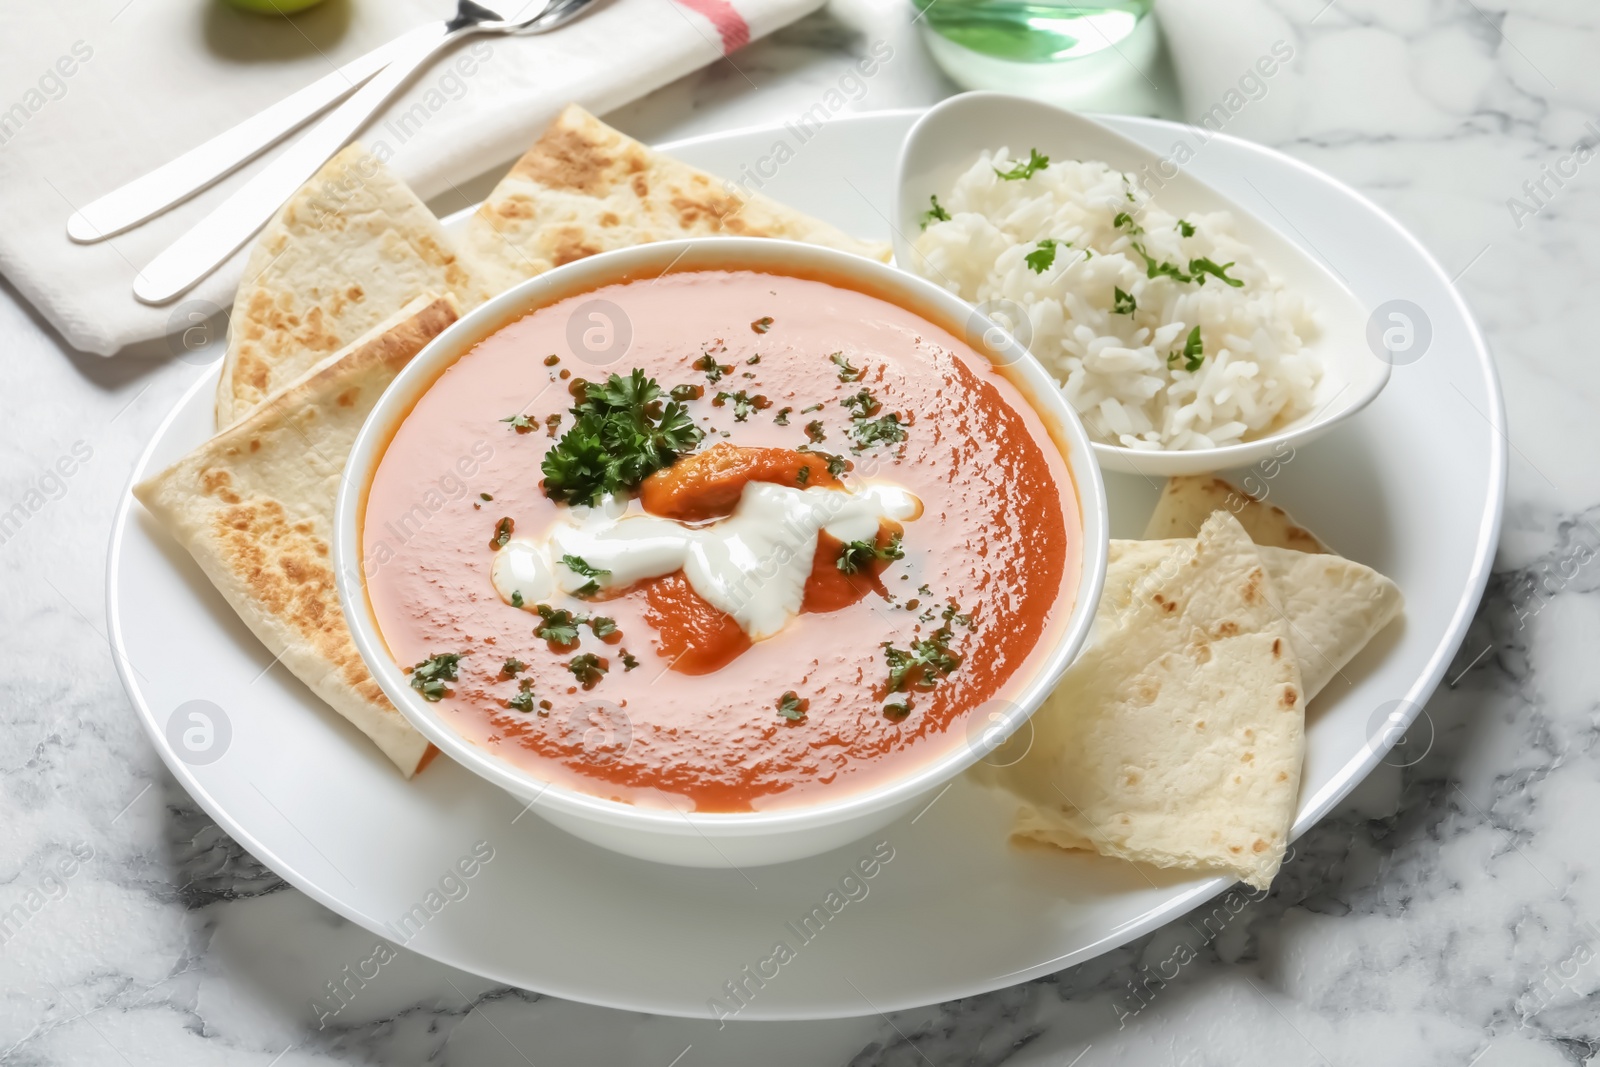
{"x":1187,"y":502}
{"x":1177,"y":738}
{"x":584,"y":188}
{"x":347,"y":251}
{"x":1332,"y":606}
{"x":254,"y":507}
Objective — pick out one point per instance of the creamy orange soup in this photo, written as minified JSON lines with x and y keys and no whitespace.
{"x":871,"y":536}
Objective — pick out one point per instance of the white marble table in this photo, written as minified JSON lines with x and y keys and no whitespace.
{"x":1449,"y":913}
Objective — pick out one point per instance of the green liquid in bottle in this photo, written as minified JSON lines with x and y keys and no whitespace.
{"x":1034,"y":31}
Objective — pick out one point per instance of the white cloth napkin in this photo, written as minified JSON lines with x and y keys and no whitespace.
{"x":96,"y":92}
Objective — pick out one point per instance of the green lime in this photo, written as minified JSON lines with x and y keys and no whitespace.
{"x":273,"y":7}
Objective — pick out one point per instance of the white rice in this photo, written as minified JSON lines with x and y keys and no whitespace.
{"x":1125,"y":373}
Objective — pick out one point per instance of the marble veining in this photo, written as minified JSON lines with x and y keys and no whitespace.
{"x":1447,"y":913}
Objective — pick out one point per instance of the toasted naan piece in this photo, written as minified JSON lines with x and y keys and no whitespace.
{"x":350,"y":249}
{"x":584,"y":188}
{"x":1177,"y":738}
{"x":1187,"y":502}
{"x":1332,"y":606}
{"x":254,"y":506}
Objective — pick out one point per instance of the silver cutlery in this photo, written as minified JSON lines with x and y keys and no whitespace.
{"x":172,"y":183}
{"x":216,"y":237}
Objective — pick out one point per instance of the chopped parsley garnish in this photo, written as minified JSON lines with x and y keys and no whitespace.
{"x":1193,"y":352}
{"x":866,"y":430}
{"x":685,"y":393}
{"x":761,"y":325}
{"x":837,"y":465}
{"x":924,"y":590}
{"x":588,"y":669}
{"x":522,"y":700}
{"x":512,"y":667}
{"x":714,"y":370}
{"x":952,"y":613}
{"x":782,"y":417}
{"x":856,"y":555}
{"x":1166,"y":270}
{"x":429,"y":676}
{"x":1124,"y":303}
{"x":485,"y":496}
{"x":560,"y":626}
{"x":1041,"y":258}
{"x":792,"y":706}
{"x":815,"y":431}
{"x":847,"y":373}
{"x":884,"y":431}
{"x":896,"y":710}
{"x":1198,"y":269}
{"x":623,"y":434}
{"x":629,"y":660}
{"x":743,"y":403}
{"x":753,"y":360}
{"x":809,"y":410}
{"x":602,"y":626}
{"x":1154,"y":268}
{"x":1023,"y":171}
{"x":1186,"y":227}
{"x":502,"y":533}
{"x":802,"y":476}
{"x":520,"y":423}
{"x":1202,"y":267}
{"x":516,"y":598}
{"x":935,"y":213}
{"x":580,"y":566}
{"x":1124,"y":221}
{"x":862,"y":405}
{"x":929,"y":660}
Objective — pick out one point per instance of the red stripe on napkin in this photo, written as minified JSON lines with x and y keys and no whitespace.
{"x":731,"y":26}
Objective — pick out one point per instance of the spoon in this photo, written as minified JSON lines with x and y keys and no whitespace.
{"x":946,"y":142}
{"x":216,"y":237}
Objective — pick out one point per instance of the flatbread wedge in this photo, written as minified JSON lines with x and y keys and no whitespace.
{"x":254,"y":507}
{"x":1187,"y":502}
{"x":584,"y":188}
{"x":1332,"y":606}
{"x":350,"y":249}
{"x":1178,"y":737}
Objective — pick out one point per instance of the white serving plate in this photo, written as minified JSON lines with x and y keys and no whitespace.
{"x":1412,"y":486}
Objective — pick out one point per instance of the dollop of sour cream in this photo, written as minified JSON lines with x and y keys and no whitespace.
{"x":753,"y":565}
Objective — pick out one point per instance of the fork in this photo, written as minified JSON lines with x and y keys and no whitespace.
{"x":216,"y":237}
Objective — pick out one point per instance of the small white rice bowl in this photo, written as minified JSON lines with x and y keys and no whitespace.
{"x":1127,"y":373}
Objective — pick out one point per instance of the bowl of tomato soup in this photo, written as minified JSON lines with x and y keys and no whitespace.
{"x":720,"y":552}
